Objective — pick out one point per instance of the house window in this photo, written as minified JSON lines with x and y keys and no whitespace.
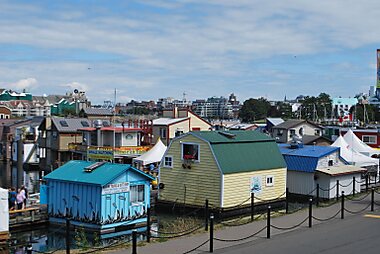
{"x":163,"y":133}
{"x":168,"y":161}
{"x":280,"y":132}
{"x":301,"y":131}
{"x":292,"y":132}
{"x":137,"y":193}
{"x":369,"y":139}
{"x":190,"y":151}
{"x":269,"y":180}
{"x":317,"y":132}
{"x":331,"y":162}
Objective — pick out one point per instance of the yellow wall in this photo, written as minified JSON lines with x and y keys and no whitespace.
{"x":183,"y":126}
{"x":195,"y":122}
{"x":237,"y":186}
{"x":203,"y":180}
{"x":65,"y":139}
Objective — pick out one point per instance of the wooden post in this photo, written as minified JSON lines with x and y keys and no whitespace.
{"x":134,"y":241}
{"x":67,"y":236}
{"x":287,"y":201}
{"x":148,"y":225}
{"x":268,"y":222}
{"x":252,"y":206}
{"x":206,"y":215}
{"x":353,"y":186}
{"x":310,"y":211}
{"x":372,"y":198}
{"x":342,"y":207}
{"x":337,"y":190}
{"x":317,"y":201}
{"x":211,"y":232}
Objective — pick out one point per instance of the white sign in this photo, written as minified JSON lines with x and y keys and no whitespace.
{"x":115,"y":188}
{"x":256,"y":184}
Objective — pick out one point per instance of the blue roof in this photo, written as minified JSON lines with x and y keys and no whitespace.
{"x":73,"y":171}
{"x":306,"y":158}
{"x":307,"y":151}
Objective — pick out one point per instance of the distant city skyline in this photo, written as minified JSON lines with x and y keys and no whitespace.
{"x":152,"y":49}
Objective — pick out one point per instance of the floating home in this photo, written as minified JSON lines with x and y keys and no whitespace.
{"x":224,"y":167}
{"x":323,"y":165}
{"x":97,"y":195}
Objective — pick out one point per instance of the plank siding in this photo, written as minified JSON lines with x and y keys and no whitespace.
{"x":191,"y":186}
{"x":237,"y":186}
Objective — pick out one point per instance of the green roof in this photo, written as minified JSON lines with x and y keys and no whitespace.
{"x":73,"y":171}
{"x":245,"y":152}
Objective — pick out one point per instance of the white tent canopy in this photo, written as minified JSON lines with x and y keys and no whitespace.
{"x":153,"y":155}
{"x":352,"y":156}
{"x":357,"y":145}
{"x":4,"y":212}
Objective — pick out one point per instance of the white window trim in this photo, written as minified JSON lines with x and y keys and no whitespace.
{"x":266,"y":181}
{"x":189,"y":143}
{"x":166,"y":166}
{"x":370,"y":136}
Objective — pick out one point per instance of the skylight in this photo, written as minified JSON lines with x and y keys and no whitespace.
{"x":64,"y":123}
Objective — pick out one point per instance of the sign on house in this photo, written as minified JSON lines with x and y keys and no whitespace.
{"x":115,"y":188}
{"x":256,"y":186}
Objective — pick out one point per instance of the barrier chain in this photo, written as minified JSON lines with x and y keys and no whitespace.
{"x":357,"y":212}
{"x":327,"y":219}
{"x":241,"y":239}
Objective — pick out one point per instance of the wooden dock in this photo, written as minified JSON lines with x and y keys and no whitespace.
{"x":29,"y":217}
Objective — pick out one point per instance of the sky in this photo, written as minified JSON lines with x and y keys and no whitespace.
{"x":152,"y":49}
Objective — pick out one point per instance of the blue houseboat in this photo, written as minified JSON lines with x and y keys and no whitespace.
{"x":97,"y":195}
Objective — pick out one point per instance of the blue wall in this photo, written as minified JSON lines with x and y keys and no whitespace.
{"x":87,"y":204}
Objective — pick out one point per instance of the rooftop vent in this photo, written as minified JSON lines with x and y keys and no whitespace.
{"x":98,"y":123}
{"x":63,"y":123}
{"x":94,"y":166}
{"x":85,"y":123}
{"x":227,"y":134}
{"x":296,"y":142}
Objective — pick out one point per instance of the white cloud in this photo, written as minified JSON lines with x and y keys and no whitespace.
{"x":210,"y":46}
{"x":23,"y":84}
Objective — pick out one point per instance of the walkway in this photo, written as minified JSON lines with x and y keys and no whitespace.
{"x":229,"y":236}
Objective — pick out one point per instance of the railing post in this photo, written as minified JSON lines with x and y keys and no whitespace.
{"x":342,"y":207}
{"x":353,"y":186}
{"x":317,"y":201}
{"x":206,"y":215}
{"x":211,"y":232}
{"x":29,"y":248}
{"x":287,"y":200}
{"x":372,"y":198}
{"x":134,"y":241}
{"x":366,"y":182}
{"x":310,"y":211}
{"x":148,"y":225}
{"x":67,"y":236}
{"x":268,"y":221}
{"x":252,"y":206}
{"x":337,"y":190}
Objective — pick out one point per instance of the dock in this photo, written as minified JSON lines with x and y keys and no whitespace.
{"x":28,"y":217}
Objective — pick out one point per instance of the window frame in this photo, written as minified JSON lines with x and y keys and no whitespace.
{"x":171,"y":161}
{"x":163,"y":130}
{"x":189,"y":143}
{"x":370,"y":136}
{"x":134,"y":197}
{"x":271,"y":184}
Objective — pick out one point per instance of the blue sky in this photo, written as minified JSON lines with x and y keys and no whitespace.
{"x":150,"y":49}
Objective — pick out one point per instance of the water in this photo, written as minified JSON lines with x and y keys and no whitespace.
{"x":8,"y":177}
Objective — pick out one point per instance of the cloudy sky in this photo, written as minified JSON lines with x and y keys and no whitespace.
{"x":149,"y":49}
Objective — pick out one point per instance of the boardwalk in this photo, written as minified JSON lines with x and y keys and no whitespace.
{"x":225,"y":237}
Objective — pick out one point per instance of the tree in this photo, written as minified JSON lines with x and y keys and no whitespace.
{"x":254,"y":109}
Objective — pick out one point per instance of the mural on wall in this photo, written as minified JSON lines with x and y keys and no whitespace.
{"x":256,"y":186}
{"x":133,"y":213}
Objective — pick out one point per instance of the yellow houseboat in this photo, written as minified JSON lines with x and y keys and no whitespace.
{"x":224,"y":167}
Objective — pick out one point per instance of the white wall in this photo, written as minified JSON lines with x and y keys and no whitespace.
{"x":300,"y":182}
{"x":4,"y":211}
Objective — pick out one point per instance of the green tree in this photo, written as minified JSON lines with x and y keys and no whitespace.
{"x":254,"y":109}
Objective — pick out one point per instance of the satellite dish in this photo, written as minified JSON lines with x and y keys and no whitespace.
{"x":76,"y":91}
